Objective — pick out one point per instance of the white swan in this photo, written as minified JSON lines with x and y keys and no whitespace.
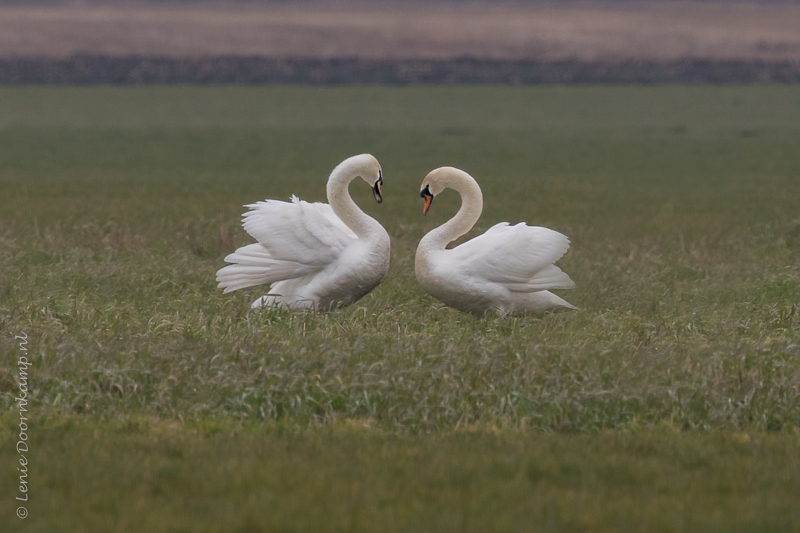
{"x":507,"y":270}
{"x":314,"y":255}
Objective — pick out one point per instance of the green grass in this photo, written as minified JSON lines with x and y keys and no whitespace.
{"x":683,"y":207}
{"x":349,"y":479}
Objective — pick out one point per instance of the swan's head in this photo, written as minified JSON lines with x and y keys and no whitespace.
{"x":438,"y":180}
{"x":369,"y":169}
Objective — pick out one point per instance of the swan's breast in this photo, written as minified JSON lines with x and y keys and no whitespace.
{"x":360,"y":268}
{"x":451,"y":282}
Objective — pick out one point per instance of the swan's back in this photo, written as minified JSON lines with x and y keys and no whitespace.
{"x":520,"y":257}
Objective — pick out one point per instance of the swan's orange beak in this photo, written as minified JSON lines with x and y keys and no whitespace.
{"x":376,"y":190}
{"x":428,"y":201}
{"x":426,"y":195}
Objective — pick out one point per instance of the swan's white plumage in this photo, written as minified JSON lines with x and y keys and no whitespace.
{"x":306,"y":252}
{"x":508,"y":269}
{"x":519,"y":256}
{"x":306,"y":233}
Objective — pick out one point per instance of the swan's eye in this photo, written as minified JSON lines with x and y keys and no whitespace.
{"x":425,"y":192}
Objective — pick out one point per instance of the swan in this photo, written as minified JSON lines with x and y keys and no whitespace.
{"x":314,"y":255}
{"x":507,"y":270}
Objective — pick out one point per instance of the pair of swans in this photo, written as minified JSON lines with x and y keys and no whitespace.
{"x":321,"y":256}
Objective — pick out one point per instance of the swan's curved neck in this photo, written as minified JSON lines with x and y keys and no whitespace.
{"x":467,"y":216}
{"x":344,"y":206}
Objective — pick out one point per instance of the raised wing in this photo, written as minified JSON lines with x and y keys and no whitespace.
{"x":519,"y":256}
{"x":301,"y":232}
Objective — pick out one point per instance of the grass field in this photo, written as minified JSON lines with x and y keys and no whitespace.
{"x":670,"y":402}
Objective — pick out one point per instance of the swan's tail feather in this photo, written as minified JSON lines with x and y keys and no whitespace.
{"x":550,"y":277}
{"x":252,"y":266}
{"x":554,"y":301}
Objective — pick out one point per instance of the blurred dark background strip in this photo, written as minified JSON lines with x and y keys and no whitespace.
{"x":94,"y":70}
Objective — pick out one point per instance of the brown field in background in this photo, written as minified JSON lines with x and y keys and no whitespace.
{"x":546,"y":32}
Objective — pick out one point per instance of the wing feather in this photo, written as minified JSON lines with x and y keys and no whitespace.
{"x":301,"y":232}
{"x":295,"y":239}
{"x":519,"y":256}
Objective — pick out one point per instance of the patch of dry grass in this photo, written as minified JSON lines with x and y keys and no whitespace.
{"x":596,"y":31}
